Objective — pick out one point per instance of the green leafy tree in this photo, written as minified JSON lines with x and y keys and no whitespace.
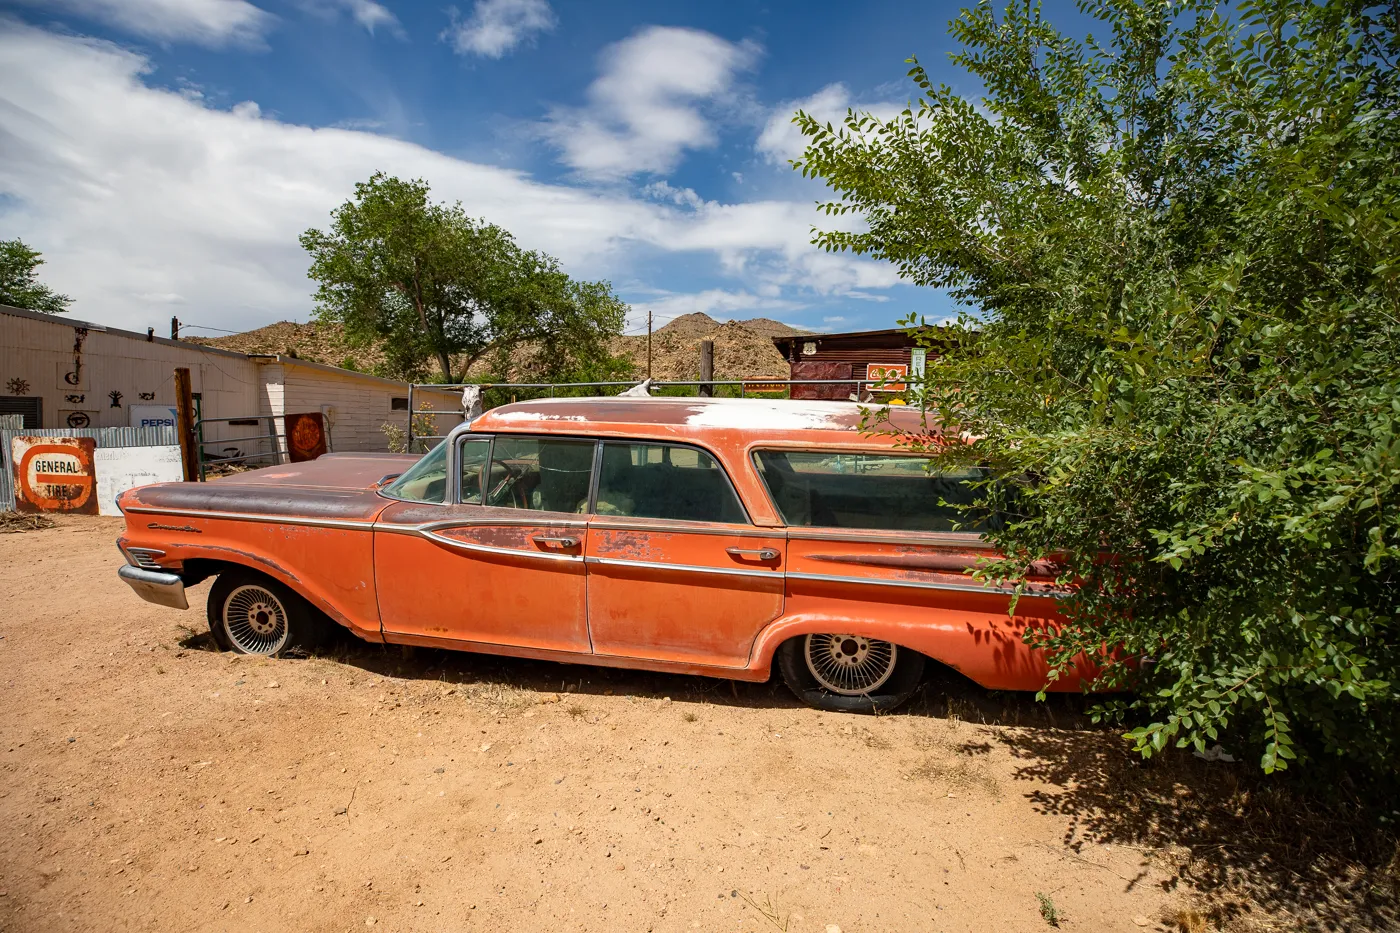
{"x":1183,"y":244}
{"x":429,"y":283}
{"x":19,"y":280}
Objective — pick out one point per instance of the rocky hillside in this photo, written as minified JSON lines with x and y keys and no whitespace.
{"x":742,"y":348}
{"x":319,"y":343}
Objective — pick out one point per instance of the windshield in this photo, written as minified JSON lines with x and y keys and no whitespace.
{"x":425,"y":481}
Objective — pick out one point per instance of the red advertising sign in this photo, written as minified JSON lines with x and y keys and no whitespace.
{"x":887,"y":373}
{"x":306,"y":436}
{"x":54,"y":474}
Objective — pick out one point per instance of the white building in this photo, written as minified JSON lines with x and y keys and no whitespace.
{"x":59,"y":372}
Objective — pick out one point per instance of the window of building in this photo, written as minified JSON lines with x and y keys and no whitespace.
{"x":425,"y":481}
{"x":858,"y":490}
{"x":31,"y":408}
{"x":398,"y":404}
{"x":542,"y":474}
{"x":665,"y":481}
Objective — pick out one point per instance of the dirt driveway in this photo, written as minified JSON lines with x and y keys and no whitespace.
{"x":151,"y":783}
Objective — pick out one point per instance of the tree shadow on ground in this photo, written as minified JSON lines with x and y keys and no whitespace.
{"x":1266,"y":853}
{"x":1309,"y":858}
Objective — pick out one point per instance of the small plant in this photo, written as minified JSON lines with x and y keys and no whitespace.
{"x":1047,"y":909}
{"x":688,"y":716}
{"x":424,"y":425}
{"x":576,"y":711}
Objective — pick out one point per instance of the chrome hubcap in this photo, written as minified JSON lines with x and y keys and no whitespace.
{"x":255,"y":620}
{"x":849,"y":665}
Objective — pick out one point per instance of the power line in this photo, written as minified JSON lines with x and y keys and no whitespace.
{"x":205,"y":327}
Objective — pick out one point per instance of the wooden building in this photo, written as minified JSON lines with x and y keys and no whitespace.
{"x":878,"y":362}
{"x":58,"y":372}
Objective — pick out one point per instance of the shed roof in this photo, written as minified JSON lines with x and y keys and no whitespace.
{"x":857,"y":339}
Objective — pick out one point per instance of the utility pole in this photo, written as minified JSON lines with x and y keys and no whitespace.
{"x":174,"y":328}
{"x":184,"y":423}
{"x":648,"y":343}
{"x":707,"y":368}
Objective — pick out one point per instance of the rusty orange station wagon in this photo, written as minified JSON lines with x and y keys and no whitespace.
{"x":720,"y":537}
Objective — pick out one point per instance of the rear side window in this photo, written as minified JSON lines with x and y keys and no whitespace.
{"x":855,"y":490}
{"x":538,"y":473}
{"x":665,"y":481}
{"x":425,"y":481}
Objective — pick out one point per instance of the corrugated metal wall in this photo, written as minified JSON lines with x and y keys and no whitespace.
{"x":106,"y":437}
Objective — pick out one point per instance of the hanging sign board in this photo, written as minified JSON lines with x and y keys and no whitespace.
{"x":892,"y":375}
{"x":54,"y":474}
{"x":123,"y":468}
{"x":306,"y":436}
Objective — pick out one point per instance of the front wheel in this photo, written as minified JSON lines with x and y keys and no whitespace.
{"x":250,"y":613}
{"x":849,"y":673}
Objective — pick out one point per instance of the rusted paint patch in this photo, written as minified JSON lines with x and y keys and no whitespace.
{"x":630,"y":545}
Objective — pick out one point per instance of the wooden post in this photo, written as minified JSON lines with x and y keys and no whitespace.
{"x":184,"y":423}
{"x":707,"y":368}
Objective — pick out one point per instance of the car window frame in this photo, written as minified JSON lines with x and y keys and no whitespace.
{"x":455,"y":462}
{"x":770,"y":447}
{"x":650,"y":442}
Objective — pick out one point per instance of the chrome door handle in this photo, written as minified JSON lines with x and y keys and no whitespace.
{"x":565,"y":541}
{"x":761,"y":553}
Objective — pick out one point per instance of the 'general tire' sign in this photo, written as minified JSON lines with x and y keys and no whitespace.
{"x":54,"y":474}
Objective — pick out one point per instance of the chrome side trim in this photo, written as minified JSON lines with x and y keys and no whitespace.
{"x":679,"y":528}
{"x":506,"y":551}
{"x":918,"y":584}
{"x":924,"y":538}
{"x":510,"y":522}
{"x":685,"y":568}
{"x":257,"y":517}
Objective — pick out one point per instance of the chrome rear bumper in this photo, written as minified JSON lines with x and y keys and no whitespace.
{"x":163,"y":589}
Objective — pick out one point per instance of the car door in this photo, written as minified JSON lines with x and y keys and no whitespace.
{"x":879,"y":534}
{"x":675,"y":571}
{"x":499,"y":561}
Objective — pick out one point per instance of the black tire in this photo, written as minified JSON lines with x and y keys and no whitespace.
{"x":251,"y":613}
{"x":890,"y":687}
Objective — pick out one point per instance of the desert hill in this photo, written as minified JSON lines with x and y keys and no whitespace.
{"x":743,"y":349}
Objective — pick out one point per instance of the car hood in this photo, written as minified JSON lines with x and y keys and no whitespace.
{"x":335,"y":486}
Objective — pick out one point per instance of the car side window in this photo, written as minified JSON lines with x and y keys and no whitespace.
{"x":425,"y":481}
{"x":665,"y":481}
{"x":542,"y":474}
{"x":471,"y":458}
{"x":839,"y":489}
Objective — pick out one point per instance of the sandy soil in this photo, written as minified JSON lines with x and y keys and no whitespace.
{"x":148,"y":782}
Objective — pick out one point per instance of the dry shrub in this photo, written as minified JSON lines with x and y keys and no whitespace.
{"x":16,"y":522}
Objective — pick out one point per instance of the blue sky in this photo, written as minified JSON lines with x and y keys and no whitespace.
{"x":164,"y":154}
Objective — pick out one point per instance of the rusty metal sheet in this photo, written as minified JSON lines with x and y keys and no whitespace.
{"x":815,"y":369}
{"x":306,"y":436}
{"x":54,"y":474}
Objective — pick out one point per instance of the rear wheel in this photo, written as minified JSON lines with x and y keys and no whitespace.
{"x":849,"y":673}
{"x":251,"y":613}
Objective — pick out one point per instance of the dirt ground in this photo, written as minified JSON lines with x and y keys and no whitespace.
{"x":148,"y":782}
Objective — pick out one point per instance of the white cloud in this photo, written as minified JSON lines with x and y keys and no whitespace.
{"x":498,"y":26}
{"x":781,"y":140}
{"x":367,"y":13}
{"x":646,"y":107}
{"x":204,"y":22}
{"x":141,"y":198}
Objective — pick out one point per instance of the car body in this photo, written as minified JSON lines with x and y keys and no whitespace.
{"x":695,"y":536}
